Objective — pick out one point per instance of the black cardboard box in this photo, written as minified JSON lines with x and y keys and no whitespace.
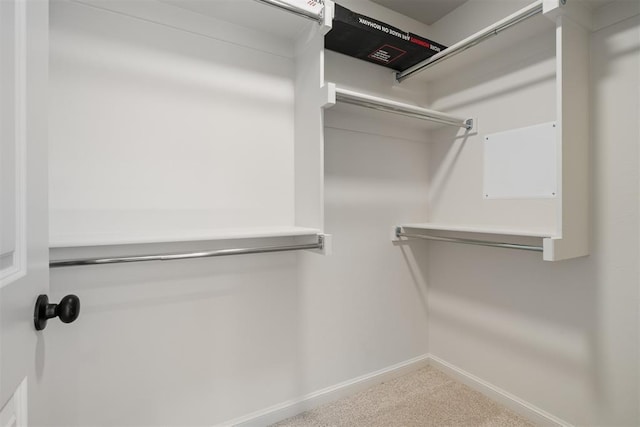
{"x":374,"y":41}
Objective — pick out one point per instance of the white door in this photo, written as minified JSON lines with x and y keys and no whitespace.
{"x":23,"y":200}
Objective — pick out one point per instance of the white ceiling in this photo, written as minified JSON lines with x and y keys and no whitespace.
{"x":427,"y":11}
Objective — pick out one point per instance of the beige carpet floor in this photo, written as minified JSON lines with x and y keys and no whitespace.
{"x":426,"y":397}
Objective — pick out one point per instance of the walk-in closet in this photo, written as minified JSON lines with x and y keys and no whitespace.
{"x":319,"y":213}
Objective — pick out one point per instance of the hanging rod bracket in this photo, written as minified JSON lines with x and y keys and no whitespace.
{"x":469,"y":124}
{"x":328,"y":12}
{"x":328,"y":95}
{"x":397,"y":232}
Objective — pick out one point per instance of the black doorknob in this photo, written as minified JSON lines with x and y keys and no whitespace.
{"x":67,"y":310}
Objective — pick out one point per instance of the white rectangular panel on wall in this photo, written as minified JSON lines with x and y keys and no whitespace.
{"x":521,"y":163}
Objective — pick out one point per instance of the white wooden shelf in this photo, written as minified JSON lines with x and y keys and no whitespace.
{"x":479,"y":229}
{"x":334,"y":94}
{"x":110,"y":239}
{"x":257,"y":17}
{"x":131,"y":248}
{"x":518,"y":238}
{"x":494,"y":45}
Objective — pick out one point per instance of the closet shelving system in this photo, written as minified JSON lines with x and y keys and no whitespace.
{"x":205,"y":108}
{"x":298,"y":48}
{"x":557,"y":149}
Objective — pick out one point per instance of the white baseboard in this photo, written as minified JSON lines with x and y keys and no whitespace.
{"x":293,"y":407}
{"x":514,"y":403}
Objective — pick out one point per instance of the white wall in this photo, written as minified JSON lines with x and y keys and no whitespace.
{"x":562,"y":336}
{"x":156,"y":130}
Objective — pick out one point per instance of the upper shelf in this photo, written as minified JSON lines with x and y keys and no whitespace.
{"x":522,"y":25}
{"x":307,"y":9}
{"x":265,"y":24}
{"x":283,"y":18}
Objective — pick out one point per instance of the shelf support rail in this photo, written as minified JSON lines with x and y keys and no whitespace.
{"x":482,"y":35}
{"x":400,"y":234}
{"x":280,"y":4}
{"x":319,"y":245}
{"x":389,"y":106}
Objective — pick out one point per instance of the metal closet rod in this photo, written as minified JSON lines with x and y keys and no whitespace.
{"x":187,"y":255}
{"x":386,"y":105}
{"x":399,"y":234}
{"x":292,"y":9}
{"x":482,"y":35}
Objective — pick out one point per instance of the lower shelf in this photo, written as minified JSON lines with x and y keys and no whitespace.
{"x":212,"y":243}
{"x":552,"y":247}
{"x":480,"y":229}
{"x":112,"y":239}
